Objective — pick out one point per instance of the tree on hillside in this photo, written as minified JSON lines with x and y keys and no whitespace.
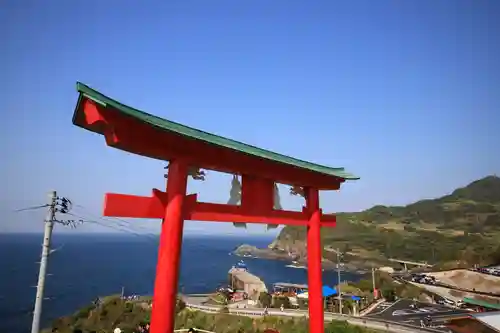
{"x":265,"y":299}
{"x":389,"y":294}
{"x":494,"y":257}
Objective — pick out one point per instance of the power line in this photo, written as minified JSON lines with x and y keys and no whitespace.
{"x":116,"y":220}
{"x":30,"y":208}
{"x":117,"y":224}
{"x":118,"y":227}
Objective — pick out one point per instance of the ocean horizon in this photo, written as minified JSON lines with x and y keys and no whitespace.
{"x":87,"y":265}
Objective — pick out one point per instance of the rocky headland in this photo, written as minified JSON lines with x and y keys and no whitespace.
{"x":296,"y":255}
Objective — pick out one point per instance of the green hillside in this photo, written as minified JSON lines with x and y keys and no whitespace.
{"x":464,"y":225}
{"x":114,"y":312}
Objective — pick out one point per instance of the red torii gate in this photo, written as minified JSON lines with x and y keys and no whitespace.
{"x":143,"y":134}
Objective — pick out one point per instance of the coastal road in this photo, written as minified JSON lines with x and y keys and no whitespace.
{"x":203,"y":299}
{"x":195,"y":299}
{"x":373,"y":323}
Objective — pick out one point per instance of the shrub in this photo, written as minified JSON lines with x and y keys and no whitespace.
{"x":181,"y":305}
{"x":265,"y":299}
{"x":389,"y":294}
{"x":303,"y":304}
{"x":84,"y":312}
{"x":281,"y":300}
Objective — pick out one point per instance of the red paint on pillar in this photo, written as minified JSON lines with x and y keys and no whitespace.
{"x":169,"y":252}
{"x":316,"y":315}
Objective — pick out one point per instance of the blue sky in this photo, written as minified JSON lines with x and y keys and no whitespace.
{"x":405,"y":94}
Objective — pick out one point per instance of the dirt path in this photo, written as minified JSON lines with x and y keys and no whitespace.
{"x":465,"y":279}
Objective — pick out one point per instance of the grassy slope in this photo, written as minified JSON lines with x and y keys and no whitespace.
{"x":127,"y":315}
{"x":464,"y":225}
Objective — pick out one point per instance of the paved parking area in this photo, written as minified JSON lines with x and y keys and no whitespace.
{"x":380,"y":308}
{"x":401,"y":311}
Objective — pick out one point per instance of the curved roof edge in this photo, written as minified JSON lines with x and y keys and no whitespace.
{"x":170,"y":126}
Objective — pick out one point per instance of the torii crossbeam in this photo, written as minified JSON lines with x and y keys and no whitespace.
{"x":143,"y":134}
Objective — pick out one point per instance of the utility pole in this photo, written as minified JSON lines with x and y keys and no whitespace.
{"x":338,"y":276}
{"x":373,"y":280}
{"x":47,"y":235}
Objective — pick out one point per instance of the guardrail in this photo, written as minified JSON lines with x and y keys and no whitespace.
{"x":372,"y":323}
{"x":452,"y":287}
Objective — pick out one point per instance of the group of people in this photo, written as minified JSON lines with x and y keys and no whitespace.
{"x":266,"y":311}
{"x":426,"y":321}
{"x":131,"y":297}
{"x":145,"y":329}
{"x":142,"y":328}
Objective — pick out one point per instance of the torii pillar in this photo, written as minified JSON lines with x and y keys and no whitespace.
{"x":169,"y":251}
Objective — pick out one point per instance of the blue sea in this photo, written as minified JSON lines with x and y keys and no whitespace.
{"x":85,"y":266}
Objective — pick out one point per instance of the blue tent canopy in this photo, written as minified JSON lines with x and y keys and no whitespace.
{"x":327,"y":291}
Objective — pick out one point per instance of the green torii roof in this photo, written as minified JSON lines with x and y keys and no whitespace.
{"x":170,"y":126}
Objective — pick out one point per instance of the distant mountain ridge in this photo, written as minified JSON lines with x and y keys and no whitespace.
{"x":478,"y":202}
{"x":483,"y":190}
{"x":465,"y":223}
